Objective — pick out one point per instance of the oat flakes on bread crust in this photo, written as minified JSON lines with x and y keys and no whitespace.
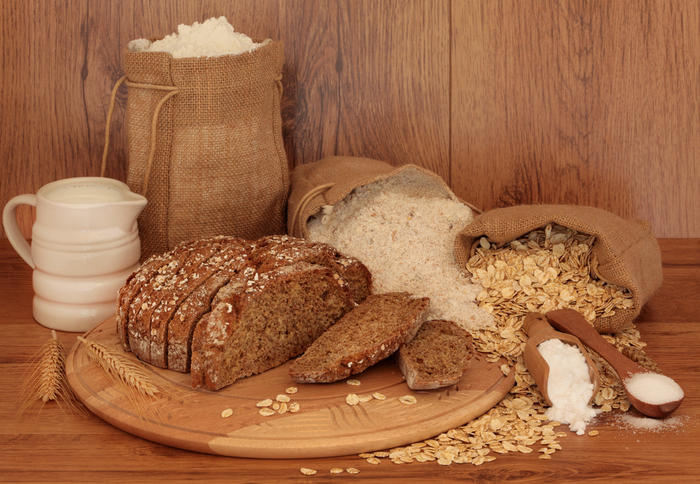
{"x":278,"y":250}
{"x":371,"y":332}
{"x":437,"y":357}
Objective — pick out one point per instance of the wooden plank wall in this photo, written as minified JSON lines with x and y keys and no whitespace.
{"x":511,"y":102}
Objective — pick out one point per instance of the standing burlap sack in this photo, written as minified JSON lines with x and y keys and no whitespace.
{"x":625,"y":252}
{"x":328,"y":181}
{"x":205,"y":145}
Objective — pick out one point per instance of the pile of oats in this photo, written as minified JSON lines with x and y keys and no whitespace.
{"x":548,"y":269}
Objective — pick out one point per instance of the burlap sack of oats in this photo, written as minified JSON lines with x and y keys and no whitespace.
{"x":205,"y":145}
{"x":625,"y":252}
{"x":328,"y":181}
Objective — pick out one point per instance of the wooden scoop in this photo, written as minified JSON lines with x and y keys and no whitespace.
{"x":572,"y":322}
{"x":538,"y":330}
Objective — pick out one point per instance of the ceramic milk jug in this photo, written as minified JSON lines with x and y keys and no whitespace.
{"x":85,"y":243}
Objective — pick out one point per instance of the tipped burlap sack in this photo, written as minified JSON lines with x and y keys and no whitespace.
{"x":328,"y":181}
{"x":205,"y":145}
{"x":625,"y":252}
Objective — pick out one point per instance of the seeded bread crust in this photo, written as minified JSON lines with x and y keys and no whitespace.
{"x":262,"y":319}
{"x":132,"y":287}
{"x":437,"y":357}
{"x":279,"y":250}
{"x":199,"y":267}
{"x":371,"y":332}
{"x":163,"y":290}
{"x":137,"y":322}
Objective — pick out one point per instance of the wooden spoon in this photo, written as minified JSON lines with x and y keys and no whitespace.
{"x":538,"y":331}
{"x":573,"y":322}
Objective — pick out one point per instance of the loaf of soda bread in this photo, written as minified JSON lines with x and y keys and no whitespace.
{"x":369,"y":333}
{"x":438,"y":356}
{"x":276,"y":287}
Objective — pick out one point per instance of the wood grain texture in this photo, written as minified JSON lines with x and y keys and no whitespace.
{"x":539,"y":101}
{"x":588,"y":103}
{"x":53,"y":446}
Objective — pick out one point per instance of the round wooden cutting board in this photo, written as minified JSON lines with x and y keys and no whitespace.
{"x":325,"y":425}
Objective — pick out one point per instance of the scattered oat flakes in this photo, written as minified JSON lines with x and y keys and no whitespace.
{"x":266,"y":412}
{"x":291,"y":390}
{"x":593,"y":433}
{"x":283,"y":408}
{"x":307,"y":472}
{"x":352,"y":399}
{"x":378,"y":396}
{"x":337,"y":470}
{"x":364,"y":398}
{"x":282,"y":398}
{"x":408,"y":400}
{"x":352,"y":470}
{"x":227,"y":413}
{"x":265,"y":403}
{"x":373,"y":460}
{"x":294,"y":407}
{"x":353,"y":382}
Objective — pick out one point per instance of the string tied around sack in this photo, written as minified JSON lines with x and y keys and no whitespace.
{"x":172,"y":91}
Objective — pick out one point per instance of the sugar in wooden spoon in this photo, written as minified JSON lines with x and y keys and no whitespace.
{"x":652,"y":394}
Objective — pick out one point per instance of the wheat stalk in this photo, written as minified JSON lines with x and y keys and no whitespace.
{"x":47,"y":380}
{"x":122,"y":370}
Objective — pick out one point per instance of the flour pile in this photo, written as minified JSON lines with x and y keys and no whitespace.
{"x":211,"y":38}
{"x":403,"y":229}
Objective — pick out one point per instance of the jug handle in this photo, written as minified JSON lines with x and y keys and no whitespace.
{"x":9,"y":222}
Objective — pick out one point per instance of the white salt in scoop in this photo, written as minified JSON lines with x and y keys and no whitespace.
{"x":563,"y":371}
{"x":653,"y":395}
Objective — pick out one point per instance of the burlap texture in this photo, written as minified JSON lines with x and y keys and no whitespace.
{"x":219,"y":165}
{"x":625,"y":252}
{"x":343,"y":174}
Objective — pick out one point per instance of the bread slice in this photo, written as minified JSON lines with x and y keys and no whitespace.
{"x":437,"y":357}
{"x":199,"y":267}
{"x":368,"y":334}
{"x":138,"y":322}
{"x":263,"y":319}
{"x":230,"y":262}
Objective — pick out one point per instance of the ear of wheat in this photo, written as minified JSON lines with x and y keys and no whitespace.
{"x":122,"y":371}
{"x":46,"y":380}
{"x":130,"y":378}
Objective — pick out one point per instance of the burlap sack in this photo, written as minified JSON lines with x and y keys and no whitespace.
{"x":328,"y":181}
{"x":205,"y":145}
{"x":625,"y":252}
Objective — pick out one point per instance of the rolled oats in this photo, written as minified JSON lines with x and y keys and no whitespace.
{"x":545,"y":270}
{"x":227,"y":413}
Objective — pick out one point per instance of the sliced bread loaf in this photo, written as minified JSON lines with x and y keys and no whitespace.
{"x":262,"y":319}
{"x":369,"y":333}
{"x":438,"y":356}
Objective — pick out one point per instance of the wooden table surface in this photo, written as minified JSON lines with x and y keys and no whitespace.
{"x":54,"y":446}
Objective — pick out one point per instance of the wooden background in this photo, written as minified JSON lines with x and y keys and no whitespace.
{"x":511,"y":102}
